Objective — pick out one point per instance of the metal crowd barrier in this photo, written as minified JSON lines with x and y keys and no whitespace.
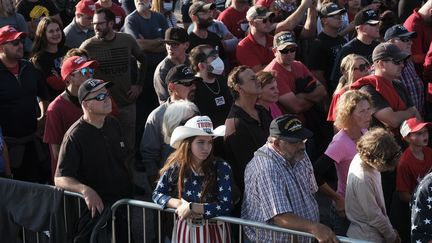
{"x":232,"y":220}
{"x":68,"y":198}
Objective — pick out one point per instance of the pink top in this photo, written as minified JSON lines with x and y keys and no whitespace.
{"x":342,"y":149}
{"x":275,"y":110}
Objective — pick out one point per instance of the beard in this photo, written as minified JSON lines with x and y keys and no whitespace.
{"x":204,"y":23}
{"x":102,"y":34}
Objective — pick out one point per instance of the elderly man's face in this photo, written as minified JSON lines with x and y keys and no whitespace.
{"x":292,"y":152}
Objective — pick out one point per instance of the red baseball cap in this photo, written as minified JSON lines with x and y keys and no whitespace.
{"x":75,"y":63}
{"x":412,"y":125}
{"x":9,"y":33}
{"x":87,"y":7}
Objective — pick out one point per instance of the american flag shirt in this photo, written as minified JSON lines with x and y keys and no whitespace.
{"x":421,"y":212}
{"x":217,"y":205}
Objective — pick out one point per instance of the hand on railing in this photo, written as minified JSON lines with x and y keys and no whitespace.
{"x":184,"y":211}
{"x":324,"y":234}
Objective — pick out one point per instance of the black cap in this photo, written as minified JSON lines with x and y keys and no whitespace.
{"x":388,"y":51}
{"x":91,"y":85}
{"x":200,"y":6}
{"x":283,"y":39}
{"x":397,"y":31}
{"x":176,"y":35}
{"x":181,"y":74}
{"x":330,"y":9}
{"x":366,"y":16}
{"x":290,"y":128}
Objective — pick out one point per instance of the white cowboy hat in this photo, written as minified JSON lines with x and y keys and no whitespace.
{"x":196,"y":126}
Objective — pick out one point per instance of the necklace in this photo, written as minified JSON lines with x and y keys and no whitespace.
{"x":214,"y":92}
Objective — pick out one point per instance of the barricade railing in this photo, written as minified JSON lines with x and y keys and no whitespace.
{"x":232,"y":220}
{"x":68,"y":197}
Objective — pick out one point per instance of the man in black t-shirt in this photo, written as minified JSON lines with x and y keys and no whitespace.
{"x":92,"y":155}
{"x":366,"y":25}
{"x":327,"y":45}
{"x":202,"y":18}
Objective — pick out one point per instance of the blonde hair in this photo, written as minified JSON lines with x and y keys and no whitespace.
{"x":379,"y":149}
{"x":347,"y":69}
{"x":346,"y":106}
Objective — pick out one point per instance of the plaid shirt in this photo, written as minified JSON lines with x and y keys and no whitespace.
{"x":273,"y":187}
{"x":414,"y":85}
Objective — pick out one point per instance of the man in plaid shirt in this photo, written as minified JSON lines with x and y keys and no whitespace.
{"x":280,"y":185}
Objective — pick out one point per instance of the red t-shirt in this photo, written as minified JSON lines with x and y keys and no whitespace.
{"x":119,"y":13}
{"x":424,"y":33}
{"x":286,"y":79}
{"x":331,"y":116}
{"x":250,"y":53}
{"x":410,"y":170}
{"x":232,"y":19}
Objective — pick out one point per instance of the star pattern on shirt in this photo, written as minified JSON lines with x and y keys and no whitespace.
{"x":421,"y":211}
{"x":220,"y":198}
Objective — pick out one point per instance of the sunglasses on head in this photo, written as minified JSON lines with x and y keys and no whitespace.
{"x":87,"y":70}
{"x":16,"y":42}
{"x":100,"y":97}
{"x":362,"y":67}
{"x":287,"y":50}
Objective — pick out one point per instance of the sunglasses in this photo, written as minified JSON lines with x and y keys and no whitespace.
{"x":16,"y":42}
{"x":87,"y":70}
{"x":404,"y":39}
{"x":362,"y":67}
{"x":100,"y":97}
{"x":395,"y":62}
{"x":264,"y":21}
{"x":287,"y":50}
{"x":186,"y":84}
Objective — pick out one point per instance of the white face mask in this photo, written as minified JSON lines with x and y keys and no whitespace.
{"x":217,"y":66}
{"x":168,"y":6}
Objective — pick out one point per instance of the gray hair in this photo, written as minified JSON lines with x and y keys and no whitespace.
{"x":175,"y":113}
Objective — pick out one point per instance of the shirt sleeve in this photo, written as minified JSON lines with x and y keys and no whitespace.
{"x":162,"y":192}
{"x":69,"y":158}
{"x":224,"y":196}
{"x":322,"y":168}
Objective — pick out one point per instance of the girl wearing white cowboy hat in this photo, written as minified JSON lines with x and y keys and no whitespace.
{"x":196,"y":183}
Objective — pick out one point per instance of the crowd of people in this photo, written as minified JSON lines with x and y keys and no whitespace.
{"x":309,"y":115}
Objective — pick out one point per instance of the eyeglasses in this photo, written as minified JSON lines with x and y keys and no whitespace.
{"x":16,"y":42}
{"x":362,"y":67}
{"x":304,"y":141}
{"x":404,"y":39}
{"x":100,"y":97}
{"x":287,"y":50}
{"x":395,"y":62}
